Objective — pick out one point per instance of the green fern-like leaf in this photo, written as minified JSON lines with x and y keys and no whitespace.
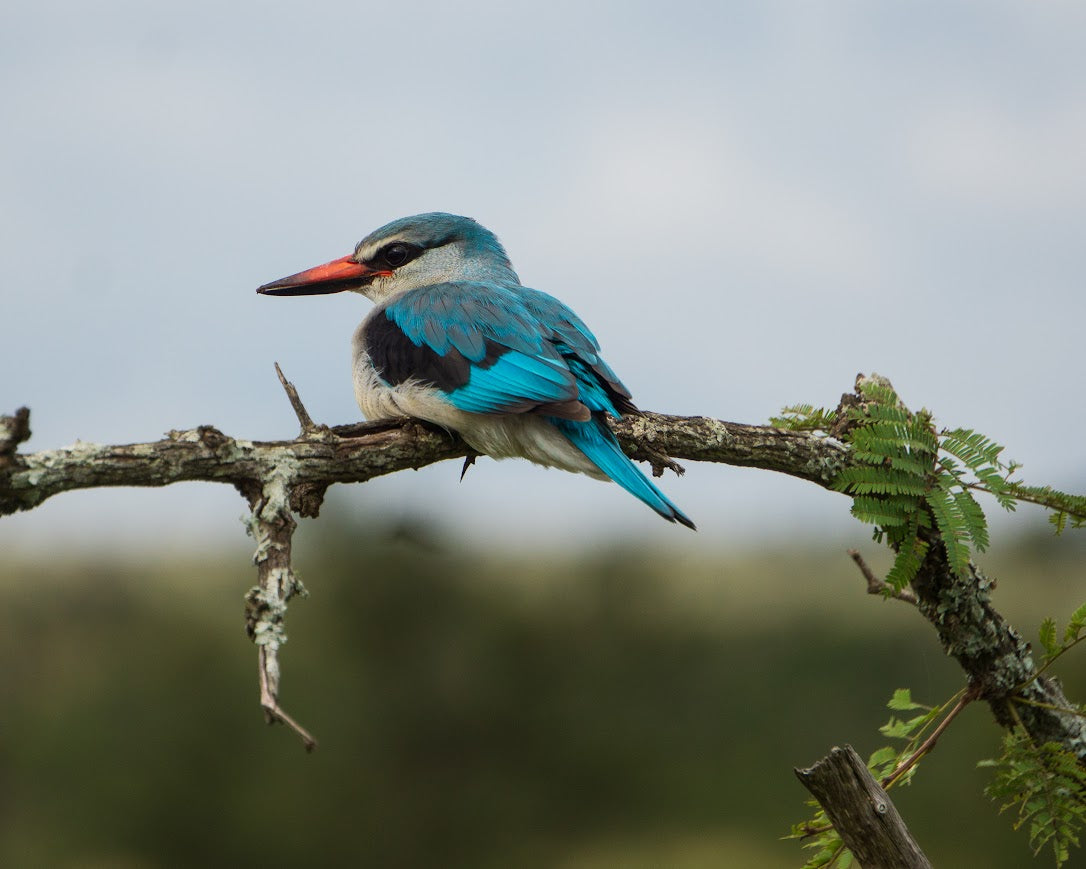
{"x":884,"y":512}
{"x":886,"y":439}
{"x":908,"y":480}
{"x":953,"y":528}
{"x":878,"y":391}
{"x":866,"y":480}
{"x":994,"y":481}
{"x":973,"y":515}
{"x":918,"y":466}
{"x":1048,"y":638}
{"x":1076,"y":626}
{"x":1064,"y":508}
{"x":822,"y":838}
{"x":974,"y":449}
{"x":804,"y":417}
{"x":1059,"y":521}
{"x":893,"y":414}
{"x":907,"y":561}
{"x":1047,"y":787}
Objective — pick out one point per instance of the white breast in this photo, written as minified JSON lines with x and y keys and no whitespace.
{"x":377,"y":400}
{"x":501,"y":436}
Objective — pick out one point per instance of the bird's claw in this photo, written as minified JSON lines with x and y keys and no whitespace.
{"x":469,"y":460}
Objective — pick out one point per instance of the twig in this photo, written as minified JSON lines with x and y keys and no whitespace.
{"x":928,"y":745}
{"x":993,"y":655}
{"x":879,"y":586}
{"x":1059,"y":654}
{"x":1065,"y":710}
{"x":308,"y":426}
{"x":271,"y":524}
{"x":269,"y":672}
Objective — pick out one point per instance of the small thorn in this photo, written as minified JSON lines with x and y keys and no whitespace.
{"x":304,"y":419}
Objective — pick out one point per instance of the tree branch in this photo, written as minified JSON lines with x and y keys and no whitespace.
{"x":282,"y":478}
{"x":997,"y":661}
{"x":861,"y":812}
{"x":357,"y":453}
{"x":880,"y":586}
{"x":271,"y":524}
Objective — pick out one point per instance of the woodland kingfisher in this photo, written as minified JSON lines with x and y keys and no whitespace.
{"x":456,"y":340}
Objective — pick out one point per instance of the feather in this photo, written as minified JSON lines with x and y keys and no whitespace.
{"x":597,"y":442}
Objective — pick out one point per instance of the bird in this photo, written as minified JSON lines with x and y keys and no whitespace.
{"x":456,"y":340}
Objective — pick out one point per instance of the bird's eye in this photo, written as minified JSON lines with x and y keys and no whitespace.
{"x":397,"y":253}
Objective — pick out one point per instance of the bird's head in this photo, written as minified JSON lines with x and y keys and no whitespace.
{"x":410,"y":252}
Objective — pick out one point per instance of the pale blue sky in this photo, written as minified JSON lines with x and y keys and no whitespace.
{"x":749,"y":203}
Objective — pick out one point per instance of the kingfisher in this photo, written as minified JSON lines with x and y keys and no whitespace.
{"x":456,"y":340}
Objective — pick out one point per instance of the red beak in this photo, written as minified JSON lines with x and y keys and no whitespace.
{"x":334,"y":277}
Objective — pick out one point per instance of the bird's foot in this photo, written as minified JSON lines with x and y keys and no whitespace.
{"x":661,"y":462}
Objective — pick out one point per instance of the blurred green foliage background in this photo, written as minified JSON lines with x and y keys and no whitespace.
{"x":594,"y":706}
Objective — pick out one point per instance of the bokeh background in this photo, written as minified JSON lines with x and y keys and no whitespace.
{"x":748,"y":202}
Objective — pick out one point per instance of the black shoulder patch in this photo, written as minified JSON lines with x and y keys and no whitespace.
{"x":398,"y":359}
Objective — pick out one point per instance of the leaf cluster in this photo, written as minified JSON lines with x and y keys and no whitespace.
{"x":890,"y":765}
{"x":1073,"y":634}
{"x":1055,"y":647}
{"x":1047,"y":787}
{"x":910,"y":481}
{"x":1065,"y":510}
{"x":823,"y":839}
{"x":804,"y":417}
{"x":893,"y":765}
{"x":1045,"y":783}
{"x":916,"y":484}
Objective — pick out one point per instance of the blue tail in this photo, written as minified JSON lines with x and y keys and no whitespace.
{"x":596,"y":441}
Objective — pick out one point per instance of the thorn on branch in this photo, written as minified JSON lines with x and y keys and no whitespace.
{"x":879,"y":586}
{"x":309,"y":428}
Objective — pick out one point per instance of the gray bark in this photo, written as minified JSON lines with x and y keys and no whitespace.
{"x":861,"y":812}
{"x":293,"y":476}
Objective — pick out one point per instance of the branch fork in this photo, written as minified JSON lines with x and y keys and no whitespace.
{"x":284,"y":479}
